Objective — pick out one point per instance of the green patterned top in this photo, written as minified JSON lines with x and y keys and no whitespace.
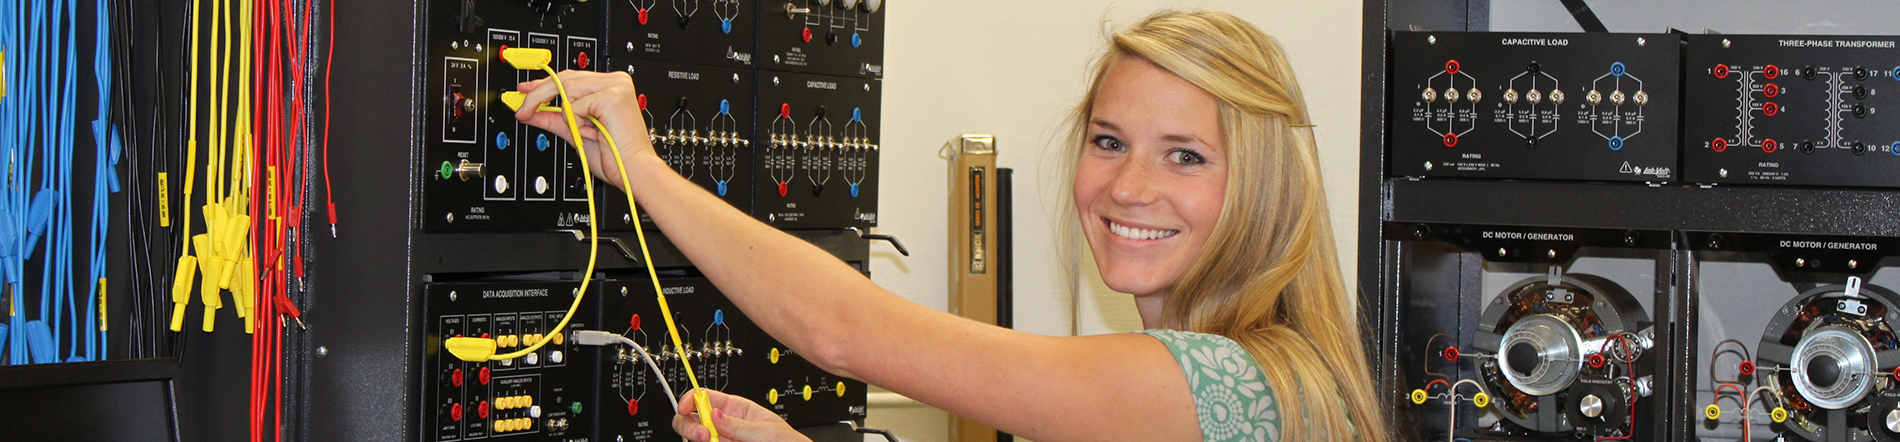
{"x":1231,"y":394}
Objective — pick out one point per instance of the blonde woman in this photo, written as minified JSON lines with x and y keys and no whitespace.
{"x":1196,"y":185}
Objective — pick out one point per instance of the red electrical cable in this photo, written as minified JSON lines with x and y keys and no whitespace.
{"x":329,"y":58}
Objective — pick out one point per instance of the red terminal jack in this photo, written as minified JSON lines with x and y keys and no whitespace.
{"x":1451,"y":354}
{"x":501,"y":53}
{"x":1769,"y":145}
{"x":643,"y":17}
{"x":1720,"y":71}
{"x":1771,"y":72}
{"x":805,"y":35}
{"x":483,"y":376}
{"x":1451,"y":67}
{"x":634,"y":323}
{"x":1770,"y":109}
{"x":455,"y":412}
{"x":633,"y":407}
{"x":1770,"y":90}
{"x":581,"y":60}
{"x":481,"y":410}
{"x":1747,"y":368}
{"x":1451,"y":140}
{"x":455,"y":378}
{"x":1719,"y":145}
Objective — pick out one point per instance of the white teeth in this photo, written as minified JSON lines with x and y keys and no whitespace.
{"x":1141,"y":234}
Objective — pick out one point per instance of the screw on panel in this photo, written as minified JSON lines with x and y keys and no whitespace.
{"x":451,"y":296}
{"x":630,"y":46}
{"x":1552,"y":253}
{"x":735,"y":78}
{"x":1725,"y":43}
{"x":323,"y":351}
{"x":775,"y":81}
{"x":1798,"y":262}
{"x":1431,"y":39}
{"x":451,"y":217}
{"x":867,"y":87}
{"x":775,"y":59}
{"x":1853,"y":263}
{"x":623,"y":291}
{"x":1639,"y":43}
{"x":1428,"y":166}
{"x":1500,"y":251}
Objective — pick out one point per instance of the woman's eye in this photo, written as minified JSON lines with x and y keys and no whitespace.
{"x":1108,"y":143}
{"x":1185,"y":157}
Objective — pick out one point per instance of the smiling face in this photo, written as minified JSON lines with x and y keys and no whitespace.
{"x":1150,"y":181}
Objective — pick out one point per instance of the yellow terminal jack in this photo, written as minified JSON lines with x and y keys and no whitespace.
{"x":537,"y":59}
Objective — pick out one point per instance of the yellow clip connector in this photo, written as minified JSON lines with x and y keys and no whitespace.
{"x":181,"y":289}
{"x":515,"y":99}
{"x":528,"y":59}
{"x":471,"y":349}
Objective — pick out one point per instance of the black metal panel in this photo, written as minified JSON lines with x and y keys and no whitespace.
{"x":366,"y":293}
{"x":716,"y":33}
{"x":702,"y":124}
{"x":481,"y":400}
{"x":486,"y":171}
{"x":1730,"y":208}
{"x":1595,"y":107}
{"x":818,"y":140}
{"x":727,"y":353}
{"x":129,"y":400}
{"x":832,"y":37}
{"x":1792,"y":110}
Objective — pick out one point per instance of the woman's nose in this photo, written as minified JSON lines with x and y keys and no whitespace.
{"x":1133,"y":184}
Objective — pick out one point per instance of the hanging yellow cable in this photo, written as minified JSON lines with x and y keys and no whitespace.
{"x":188,"y":264}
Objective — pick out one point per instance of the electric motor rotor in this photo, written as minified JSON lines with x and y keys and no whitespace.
{"x":1566,"y":353}
{"x":1821,"y":354}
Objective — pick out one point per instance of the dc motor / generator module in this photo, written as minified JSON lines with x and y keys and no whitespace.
{"x":1794,"y":337}
{"x":1589,"y":107}
{"x":1792,"y":110}
{"x":1508,"y":332}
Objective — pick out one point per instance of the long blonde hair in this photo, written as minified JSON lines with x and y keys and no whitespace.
{"x":1268,"y":277}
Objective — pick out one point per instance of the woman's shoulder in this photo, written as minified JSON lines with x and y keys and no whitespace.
{"x":1231,"y":394}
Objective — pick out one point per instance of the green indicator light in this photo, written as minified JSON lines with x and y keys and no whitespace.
{"x":575,"y":406}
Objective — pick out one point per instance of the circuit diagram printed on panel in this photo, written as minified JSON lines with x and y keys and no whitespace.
{"x":1536,"y":106}
{"x":1798,"y":110}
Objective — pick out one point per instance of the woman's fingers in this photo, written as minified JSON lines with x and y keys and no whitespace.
{"x":578,"y":83}
{"x":736,"y":418}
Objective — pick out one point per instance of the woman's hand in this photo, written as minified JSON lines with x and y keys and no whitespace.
{"x":607,"y":96}
{"x":738,"y":420}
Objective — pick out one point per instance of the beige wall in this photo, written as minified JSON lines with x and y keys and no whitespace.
{"x":1013,"y":68}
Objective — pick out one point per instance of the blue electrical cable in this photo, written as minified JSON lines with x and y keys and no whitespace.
{"x":102,"y":76}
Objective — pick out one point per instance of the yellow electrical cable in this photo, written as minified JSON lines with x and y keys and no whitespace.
{"x":482,"y":349}
{"x":471,"y":349}
{"x":187,"y":264}
{"x":699,"y":396}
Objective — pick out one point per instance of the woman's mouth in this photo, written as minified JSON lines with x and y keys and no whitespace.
{"x":1138,"y":233}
